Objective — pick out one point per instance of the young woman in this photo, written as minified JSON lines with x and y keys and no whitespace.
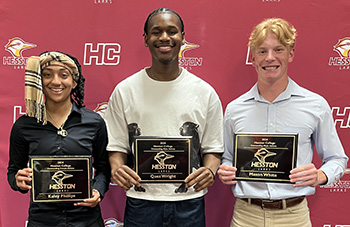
{"x":56,"y":123}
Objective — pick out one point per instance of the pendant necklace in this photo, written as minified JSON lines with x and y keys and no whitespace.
{"x":60,"y":131}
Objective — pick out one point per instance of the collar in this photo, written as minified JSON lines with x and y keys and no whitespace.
{"x":76,"y":109}
{"x":293,"y":89}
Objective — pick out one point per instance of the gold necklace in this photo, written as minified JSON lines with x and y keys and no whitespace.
{"x":60,"y":131}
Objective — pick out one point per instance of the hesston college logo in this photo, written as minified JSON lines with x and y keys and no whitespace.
{"x":101,"y":109}
{"x":343,"y":47}
{"x":262,"y":154}
{"x":112,"y":222}
{"x":189,"y":62}
{"x":103,"y":1}
{"x":339,"y":185}
{"x":15,"y":47}
{"x":262,"y":164}
{"x":102,"y":54}
{"x":160,"y":157}
{"x":58,"y":178}
{"x":343,"y":50}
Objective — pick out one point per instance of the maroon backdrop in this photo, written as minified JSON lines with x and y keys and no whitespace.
{"x":106,"y":36}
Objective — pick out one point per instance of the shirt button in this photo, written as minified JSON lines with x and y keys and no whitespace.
{"x":58,"y":148}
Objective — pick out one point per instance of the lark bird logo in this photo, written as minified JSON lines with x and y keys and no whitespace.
{"x":187,"y":46}
{"x":262,"y":154}
{"x":101,"y":109}
{"x":161,"y":157}
{"x":347,"y":171}
{"x":59,"y":176}
{"x":17,"y":45}
{"x":343,"y":47}
{"x":112,"y":222}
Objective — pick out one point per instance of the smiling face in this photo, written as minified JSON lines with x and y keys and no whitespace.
{"x":164,"y":38}
{"x":57,"y":84}
{"x":271,"y":59}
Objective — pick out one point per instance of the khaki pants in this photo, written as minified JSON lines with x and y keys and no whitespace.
{"x":250,"y":215}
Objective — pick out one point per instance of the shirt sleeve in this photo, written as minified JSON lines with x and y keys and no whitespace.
{"x":212,"y":141}
{"x":18,"y":154}
{"x":227,"y":157}
{"x":329,"y":147}
{"x":117,"y":129}
{"x":101,"y":163}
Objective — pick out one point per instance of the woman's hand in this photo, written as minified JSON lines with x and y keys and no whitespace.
{"x":24,"y":178}
{"x":92,"y":202}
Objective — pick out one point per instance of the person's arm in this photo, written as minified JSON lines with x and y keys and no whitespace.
{"x":330,"y":150}
{"x":18,"y":175}
{"x":226,"y":172}
{"x":101,"y":180}
{"x":101,"y":162}
{"x":211,"y":146}
{"x":122,"y":175}
{"x":118,"y":143}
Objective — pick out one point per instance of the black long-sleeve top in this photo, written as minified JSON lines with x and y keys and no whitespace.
{"x":87,"y":135}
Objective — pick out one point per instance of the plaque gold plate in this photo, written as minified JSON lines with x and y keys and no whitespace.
{"x":162,"y":159}
{"x":61,"y":178}
{"x":265,"y":157}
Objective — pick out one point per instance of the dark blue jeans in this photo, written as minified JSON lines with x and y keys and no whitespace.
{"x":145,"y":213}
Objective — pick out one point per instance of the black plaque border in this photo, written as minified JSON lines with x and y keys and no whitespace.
{"x":162,"y":138}
{"x":88,"y":159}
{"x":294,"y":156}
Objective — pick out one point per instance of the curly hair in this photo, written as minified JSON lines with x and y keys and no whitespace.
{"x":284,"y":31}
{"x":79,"y":91}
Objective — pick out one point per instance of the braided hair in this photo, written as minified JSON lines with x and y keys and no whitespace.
{"x":79,"y":91}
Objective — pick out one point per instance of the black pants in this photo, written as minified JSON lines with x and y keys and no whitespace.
{"x":98,"y":223}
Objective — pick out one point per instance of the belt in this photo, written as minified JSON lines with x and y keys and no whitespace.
{"x":267,"y":204}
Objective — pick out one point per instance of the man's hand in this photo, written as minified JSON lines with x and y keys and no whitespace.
{"x":125,"y":177}
{"x":201,"y":179}
{"x":24,"y":178}
{"x":122,"y":175}
{"x":307,"y":175}
{"x":227,"y":174}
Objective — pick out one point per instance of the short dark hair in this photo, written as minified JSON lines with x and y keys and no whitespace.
{"x":162,"y":10}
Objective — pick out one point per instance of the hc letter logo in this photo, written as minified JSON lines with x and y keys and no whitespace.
{"x":17,"y":112}
{"x":343,"y":117}
{"x":336,"y":226}
{"x":104,"y":53}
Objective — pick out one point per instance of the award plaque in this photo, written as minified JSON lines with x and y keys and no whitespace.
{"x":162,"y":159}
{"x":61,"y":178}
{"x":265,"y":157}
